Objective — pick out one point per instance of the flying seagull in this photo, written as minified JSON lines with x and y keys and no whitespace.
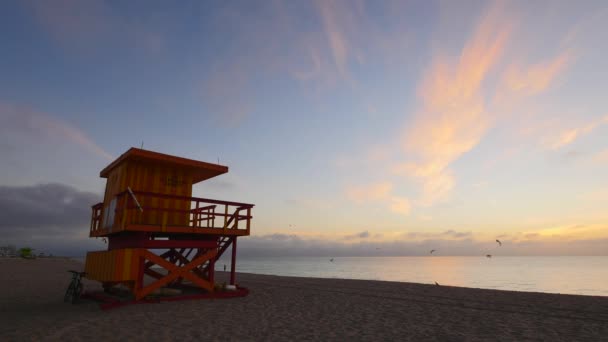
{"x":432,"y":250}
{"x":488,"y":256}
{"x":499,"y":243}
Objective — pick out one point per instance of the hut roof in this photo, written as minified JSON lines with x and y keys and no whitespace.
{"x":201,"y":170}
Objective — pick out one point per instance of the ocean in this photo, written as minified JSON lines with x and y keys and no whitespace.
{"x":583,"y":275}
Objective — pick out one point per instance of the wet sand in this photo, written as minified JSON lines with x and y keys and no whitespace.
{"x":290,"y":308}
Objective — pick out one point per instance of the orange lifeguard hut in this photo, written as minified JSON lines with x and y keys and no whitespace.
{"x":148,"y":205}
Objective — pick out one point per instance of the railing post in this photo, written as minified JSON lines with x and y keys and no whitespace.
{"x":248,"y":219}
{"x":225,"y":215}
{"x":196,"y":215}
{"x":212,"y":221}
{"x":237,"y":216}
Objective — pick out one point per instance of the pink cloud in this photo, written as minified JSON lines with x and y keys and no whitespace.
{"x":453,"y":118}
{"x":400,"y":205}
{"x":20,"y":123}
{"x":568,"y":136}
{"x":380,"y":192}
{"x":373,"y":192}
{"x":533,"y":79}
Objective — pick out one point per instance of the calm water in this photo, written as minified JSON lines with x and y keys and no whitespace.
{"x":574,"y":275}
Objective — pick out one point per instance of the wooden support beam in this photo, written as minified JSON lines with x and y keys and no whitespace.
{"x":233,"y":263}
{"x":175,"y":272}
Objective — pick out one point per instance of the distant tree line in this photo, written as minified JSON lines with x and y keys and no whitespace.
{"x":24,"y":252}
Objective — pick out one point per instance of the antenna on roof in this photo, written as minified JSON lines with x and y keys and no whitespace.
{"x":142,"y":145}
{"x":218,"y":160}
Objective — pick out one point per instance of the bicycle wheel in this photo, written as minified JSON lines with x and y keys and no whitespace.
{"x":69,"y":292}
{"x":77,"y":292}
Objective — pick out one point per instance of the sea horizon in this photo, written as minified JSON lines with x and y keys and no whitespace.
{"x":577,"y":275}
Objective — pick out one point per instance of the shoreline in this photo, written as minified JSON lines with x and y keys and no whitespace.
{"x":80,"y":260}
{"x":296,"y":308}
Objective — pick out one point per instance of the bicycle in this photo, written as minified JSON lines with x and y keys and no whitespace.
{"x":72,"y":294}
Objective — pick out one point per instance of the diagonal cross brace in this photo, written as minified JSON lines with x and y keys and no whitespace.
{"x":176,"y":272}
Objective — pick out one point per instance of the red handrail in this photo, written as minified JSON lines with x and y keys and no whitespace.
{"x":202,"y":216}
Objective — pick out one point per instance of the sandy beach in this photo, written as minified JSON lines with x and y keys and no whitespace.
{"x":289,"y":308}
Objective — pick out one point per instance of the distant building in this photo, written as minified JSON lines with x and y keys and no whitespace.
{"x":8,"y":251}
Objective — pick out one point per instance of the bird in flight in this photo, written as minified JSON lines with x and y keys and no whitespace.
{"x":488,"y":256}
{"x":432,"y":250}
{"x":499,"y":243}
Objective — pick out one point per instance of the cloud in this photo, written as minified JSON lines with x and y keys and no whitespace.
{"x":418,"y":243}
{"x":573,"y":232}
{"x":400,"y":205}
{"x":53,"y":218}
{"x":448,"y":234}
{"x":336,"y":19}
{"x":22,"y":126}
{"x":533,"y":79}
{"x":362,"y":235}
{"x":278,"y":39}
{"x":567,"y":137}
{"x":368,"y":193}
{"x":379,"y":192}
{"x":45,"y":209}
{"x":453,"y":118}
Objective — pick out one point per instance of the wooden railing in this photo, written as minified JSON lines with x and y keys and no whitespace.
{"x":200,"y":212}
{"x":97,"y":211}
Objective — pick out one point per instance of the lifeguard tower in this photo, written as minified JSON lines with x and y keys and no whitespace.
{"x":148,"y":206}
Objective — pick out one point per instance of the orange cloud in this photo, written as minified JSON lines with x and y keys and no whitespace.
{"x":568,"y":136}
{"x":400,"y":205}
{"x":372,"y":192}
{"x":453,"y":118}
{"x":536,"y":78}
{"x":379,"y":192}
{"x":574,"y":232}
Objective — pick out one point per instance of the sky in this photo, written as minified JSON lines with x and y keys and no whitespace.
{"x":355,"y":127}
